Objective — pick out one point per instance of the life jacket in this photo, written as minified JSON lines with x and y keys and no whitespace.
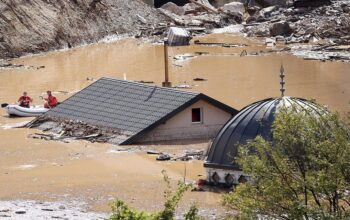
{"x":52,"y":101}
{"x":24,"y":101}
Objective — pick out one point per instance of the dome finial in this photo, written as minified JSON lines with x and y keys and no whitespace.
{"x":282,"y":80}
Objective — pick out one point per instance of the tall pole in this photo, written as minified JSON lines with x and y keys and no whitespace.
{"x":282,"y":81}
{"x":166,"y":82}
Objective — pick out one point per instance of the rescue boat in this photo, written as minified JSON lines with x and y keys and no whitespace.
{"x":16,"y":110}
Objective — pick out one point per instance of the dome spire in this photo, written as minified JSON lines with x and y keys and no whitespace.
{"x":282,"y":80}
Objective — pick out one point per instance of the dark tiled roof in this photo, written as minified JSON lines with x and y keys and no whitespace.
{"x":129,"y":107}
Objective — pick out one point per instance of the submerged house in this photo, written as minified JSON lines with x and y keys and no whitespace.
{"x":145,"y":113}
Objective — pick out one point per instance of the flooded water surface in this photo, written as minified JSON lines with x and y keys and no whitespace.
{"x":96,"y":173}
{"x":239,"y":81}
{"x":232,"y":79}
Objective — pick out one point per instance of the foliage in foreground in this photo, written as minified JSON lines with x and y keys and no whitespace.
{"x":303,"y":174}
{"x":121,"y":211}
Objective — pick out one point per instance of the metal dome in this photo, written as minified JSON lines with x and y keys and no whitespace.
{"x":253,"y":120}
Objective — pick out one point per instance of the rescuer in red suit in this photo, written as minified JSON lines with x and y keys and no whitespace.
{"x":51,"y":101}
{"x":25,"y":100}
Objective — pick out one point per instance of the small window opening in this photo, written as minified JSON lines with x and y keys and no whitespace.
{"x":196,"y":115}
{"x":242,"y":179}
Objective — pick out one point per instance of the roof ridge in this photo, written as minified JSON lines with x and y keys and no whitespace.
{"x":128,"y":106}
{"x":149,"y":86}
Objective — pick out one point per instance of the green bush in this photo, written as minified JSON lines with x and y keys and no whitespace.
{"x":121,"y":211}
{"x":192,"y":213}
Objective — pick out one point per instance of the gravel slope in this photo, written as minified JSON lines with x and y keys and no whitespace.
{"x":42,"y":25}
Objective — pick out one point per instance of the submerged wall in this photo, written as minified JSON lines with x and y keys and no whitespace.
{"x":180,"y":127}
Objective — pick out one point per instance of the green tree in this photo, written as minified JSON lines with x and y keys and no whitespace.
{"x":192,"y":213}
{"x":121,"y":211}
{"x":304,"y":173}
{"x":171,"y":199}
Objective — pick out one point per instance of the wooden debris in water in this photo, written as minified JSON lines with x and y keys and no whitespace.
{"x":200,"y":79}
{"x":145,"y":81}
{"x":163,"y":157}
{"x":198,"y":42}
{"x":67,"y":130}
{"x":153,"y":152}
{"x":192,"y":155}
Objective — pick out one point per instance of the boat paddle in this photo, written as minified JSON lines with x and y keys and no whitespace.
{"x":3,"y":105}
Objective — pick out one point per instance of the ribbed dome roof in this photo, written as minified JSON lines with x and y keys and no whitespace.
{"x":253,"y":120}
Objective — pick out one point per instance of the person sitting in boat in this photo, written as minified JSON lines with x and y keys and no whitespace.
{"x":25,"y":100}
{"x":51,"y":101}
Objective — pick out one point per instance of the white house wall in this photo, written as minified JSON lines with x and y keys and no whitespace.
{"x":180,"y":127}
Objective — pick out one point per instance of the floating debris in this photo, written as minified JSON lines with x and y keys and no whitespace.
{"x":25,"y":167}
{"x":146,"y":82}
{"x":270,"y":42}
{"x":220,"y":44}
{"x":16,"y":125}
{"x":200,"y":79}
{"x":153,"y":152}
{"x":243,"y":53}
{"x":18,"y":66}
{"x":68,"y":130}
{"x":183,"y":87}
{"x":187,"y":156}
{"x":117,"y":150}
{"x":163,"y":157}
{"x":310,"y":52}
{"x":20,"y":211}
{"x":192,"y":155}
{"x":184,"y":57}
{"x":201,"y":53}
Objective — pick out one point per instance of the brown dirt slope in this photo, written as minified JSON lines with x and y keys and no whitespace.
{"x":32,"y":26}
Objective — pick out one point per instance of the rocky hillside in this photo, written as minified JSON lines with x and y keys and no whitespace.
{"x":41,"y":25}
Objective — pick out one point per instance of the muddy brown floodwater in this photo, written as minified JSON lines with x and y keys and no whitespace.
{"x":96,"y":173}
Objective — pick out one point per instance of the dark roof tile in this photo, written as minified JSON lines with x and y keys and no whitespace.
{"x":127,"y":106}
